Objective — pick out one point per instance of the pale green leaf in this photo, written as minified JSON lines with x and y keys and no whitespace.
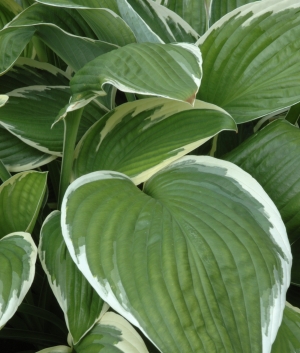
{"x":113,"y":334}
{"x":141,"y":137}
{"x":272,"y":157}
{"x":3,"y":99}
{"x":288,"y":337}
{"x":17,"y":267}
{"x":166,"y":70}
{"x":21,"y":198}
{"x":109,"y":4}
{"x":207,"y":253}
{"x":81,"y":305}
{"x":192,"y":11}
{"x":251,"y":59}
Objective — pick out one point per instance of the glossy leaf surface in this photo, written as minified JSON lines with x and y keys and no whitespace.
{"x":81,"y":305}
{"x":21,"y":197}
{"x":250,"y":57}
{"x":141,"y":137}
{"x":272,"y":157}
{"x":196,"y":261}
{"x":17,"y":267}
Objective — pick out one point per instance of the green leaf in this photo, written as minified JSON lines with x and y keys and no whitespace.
{"x":81,"y":305}
{"x":8,"y":10}
{"x":296,"y":262}
{"x":167,"y":70}
{"x":199,"y":261}
{"x":193,"y":12}
{"x":272,"y":157}
{"x":21,"y":198}
{"x":17,"y":267}
{"x":52,"y":25}
{"x":109,"y":4}
{"x":288,"y":338}
{"x":220,"y":8}
{"x":141,"y":137}
{"x":251,"y":59}
{"x":56,"y":349}
{"x":30,"y":113}
{"x":112,"y":334}
{"x":152,"y":22}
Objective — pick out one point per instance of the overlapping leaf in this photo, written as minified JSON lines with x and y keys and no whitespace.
{"x":8,"y":10}
{"x":21,"y":197}
{"x":141,"y":137}
{"x":56,"y":349}
{"x":112,"y":334}
{"x":166,"y":70}
{"x":17,"y":267}
{"x":200,"y":260}
{"x":288,"y":339}
{"x":81,"y":305}
{"x":272,"y":157}
{"x":250,"y":59}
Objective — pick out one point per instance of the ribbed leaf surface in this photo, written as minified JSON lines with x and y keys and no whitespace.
{"x":21,"y":197}
{"x":109,"y":4}
{"x":141,"y":137}
{"x":30,"y":112}
{"x":272,"y":157}
{"x":220,"y":8}
{"x":166,"y":70}
{"x":193,"y":12}
{"x":17,"y":267}
{"x":81,"y":305}
{"x":288,"y":338}
{"x":113,"y":334}
{"x":200,"y":260}
{"x":251,"y":59}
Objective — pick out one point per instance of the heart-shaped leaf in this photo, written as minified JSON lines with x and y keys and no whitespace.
{"x":272,"y":157}
{"x":21,"y":198}
{"x":250,"y":57}
{"x":165,"y":70}
{"x":141,"y":137}
{"x":199,"y":260}
{"x":81,"y":305}
{"x":17,"y":267}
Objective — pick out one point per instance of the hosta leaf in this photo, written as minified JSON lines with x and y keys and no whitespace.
{"x":59,"y":29}
{"x":272,"y":157}
{"x":250,"y":59}
{"x":288,"y":338}
{"x":31,"y":111}
{"x":141,"y":137}
{"x":296,"y":262}
{"x":18,"y":156}
{"x":166,"y":70}
{"x":112,"y":334}
{"x":205,"y":247}
{"x":152,"y":22}
{"x":220,"y":8}
{"x":81,"y":305}
{"x":21,"y":197}
{"x":57,"y":349}
{"x":17,"y":267}
{"x":8,"y":10}
{"x":193,"y":12}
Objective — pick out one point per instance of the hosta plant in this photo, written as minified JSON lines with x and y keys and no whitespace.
{"x":149,"y":155}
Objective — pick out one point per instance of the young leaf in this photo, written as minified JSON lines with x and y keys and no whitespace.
{"x":288,"y":338}
{"x":199,"y":261}
{"x":21,"y":198}
{"x":81,"y":305}
{"x":250,"y":59}
{"x":112,"y":334}
{"x":17,"y":267}
{"x":272,"y":157}
{"x":141,"y":137}
{"x":165,"y":70}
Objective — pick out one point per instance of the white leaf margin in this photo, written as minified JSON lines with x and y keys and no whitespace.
{"x":15,"y":300}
